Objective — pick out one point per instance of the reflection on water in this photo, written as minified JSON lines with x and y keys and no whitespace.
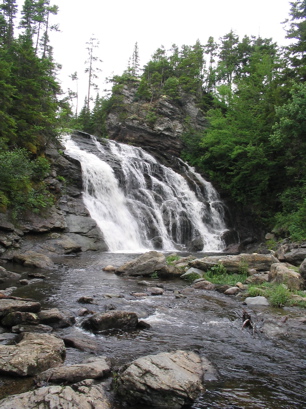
{"x":256,"y":371}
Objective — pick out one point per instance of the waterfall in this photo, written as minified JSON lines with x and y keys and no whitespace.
{"x":141,"y":205}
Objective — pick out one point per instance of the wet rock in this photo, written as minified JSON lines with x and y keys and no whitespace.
{"x":109,"y":269}
{"x":123,"y":320}
{"x":283,"y":273}
{"x":84,"y":311}
{"x":94,"y":368}
{"x":24,"y":282}
{"x":19,"y":317}
{"x":156,"y":291}
{"x":33,"y":354}
{"x":34,"y":259}
{"x":39,"y":328}
{"x":139,"y":295}
{"x":8,"y":275}
{"x":258,"y":262}
{"x":36,"y":275}
{"x":56,"y":318}
{"x":78,"y":340}
{"x":83,"y":396}
{"x":86,"y":300}
{"x":144,"y":283}
{"x":166,"y":380}
{"x":146,"y":264}
{"x":210,"y":372}
{"x":273,"y":328}
{"x":7,"y":338}
{"x":143,"y":325}
{"x":204,"y":285}
{"x":254,"y":301}
{"x":9,"y":305}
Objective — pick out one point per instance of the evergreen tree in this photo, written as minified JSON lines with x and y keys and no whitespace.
{"x":296,"y":30}
{"x":8,"y":11}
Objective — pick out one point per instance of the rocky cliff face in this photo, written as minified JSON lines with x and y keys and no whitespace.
{"x":156,"y":127}
{"x":65,"y":228}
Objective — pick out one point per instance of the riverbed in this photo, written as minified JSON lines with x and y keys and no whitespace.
{"x":261,"y":369}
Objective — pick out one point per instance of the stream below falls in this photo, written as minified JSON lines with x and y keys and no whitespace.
{"x":264,"y":370}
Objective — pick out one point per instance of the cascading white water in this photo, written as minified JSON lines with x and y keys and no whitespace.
{"x":140,"y":204}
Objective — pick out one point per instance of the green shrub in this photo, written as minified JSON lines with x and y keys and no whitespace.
{"x":278,"y":295}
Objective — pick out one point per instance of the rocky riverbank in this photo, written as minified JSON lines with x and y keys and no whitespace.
{"x":34,"y":341}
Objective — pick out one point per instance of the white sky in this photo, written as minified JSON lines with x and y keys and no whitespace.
{"x":119,"y":24}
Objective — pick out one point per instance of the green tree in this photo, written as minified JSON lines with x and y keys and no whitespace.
{"x":8,"y":11}
{"x":296,"y":30}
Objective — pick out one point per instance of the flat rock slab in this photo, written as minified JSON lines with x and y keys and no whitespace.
{"x":34,"y":259}
{"x":52,"y":397}
{"x":93,"y":369}
{"x":8,"y":305}
{"x":166,"y":380}
{"x":34,"y":353}
{"x":258,"y":262}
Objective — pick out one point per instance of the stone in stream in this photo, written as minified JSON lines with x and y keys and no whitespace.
{"x":93,"y":368}
{"x":84,"y":395}
{"x":56,"y":318}
{"x":146,"y":264}
{"x":7,"y":275}
{"x":20,"y":317}
{"x":8,"y":305}
{"x":168,"y":380}
{"x":33,"y":354}
{"x":123,"y":320}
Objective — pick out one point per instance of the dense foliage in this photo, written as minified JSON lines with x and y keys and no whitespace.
{"x":28,"y":103}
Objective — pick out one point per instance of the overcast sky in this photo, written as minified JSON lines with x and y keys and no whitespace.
{"x":119,"y":24}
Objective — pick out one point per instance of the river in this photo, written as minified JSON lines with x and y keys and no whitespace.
{"x":264,"y":370}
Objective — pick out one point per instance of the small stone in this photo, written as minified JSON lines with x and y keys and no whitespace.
{"x":86,"y":300}
{"x":109,"y":269}
{"x":156,"y":291}
{"x":232,"y":291}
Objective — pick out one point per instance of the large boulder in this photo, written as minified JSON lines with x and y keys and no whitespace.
{"x":33,"y":354}
{"x":94,"y":368}
{"x":34,"y":259}
{"x":148,"y":263}
{"x":167,"y":380}
{"x":292,"y":253}
{"x":123,"y":320}
{"x":236,"y":263}
{"x":283,"y":273}
{"x":83,"y":396}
